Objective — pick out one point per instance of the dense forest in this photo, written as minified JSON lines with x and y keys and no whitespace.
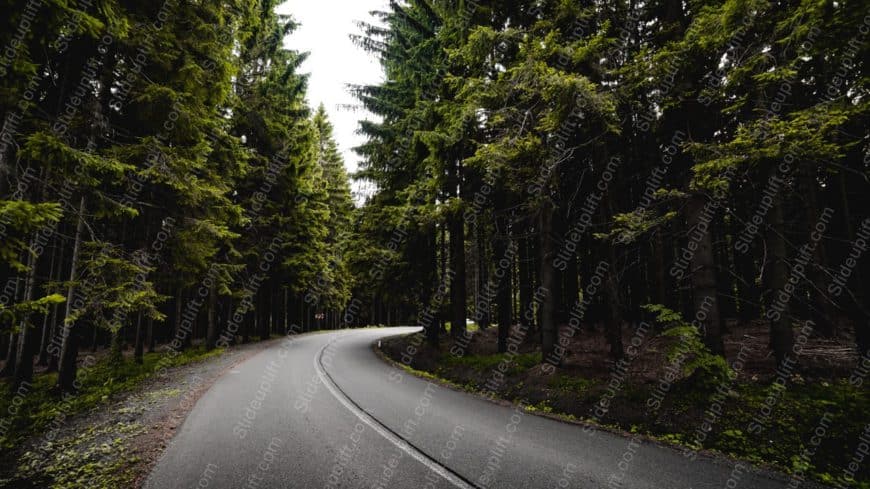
{"x":162,"y":180}
{"x":604,"y":162}
{"x":543,"y":169}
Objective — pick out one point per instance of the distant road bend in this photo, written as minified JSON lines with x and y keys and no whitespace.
{"x":323,"y":411}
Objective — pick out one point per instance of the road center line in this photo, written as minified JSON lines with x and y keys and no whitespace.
{"x":376,"y":425}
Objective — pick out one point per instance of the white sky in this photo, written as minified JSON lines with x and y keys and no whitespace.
{"x":334,"y":61}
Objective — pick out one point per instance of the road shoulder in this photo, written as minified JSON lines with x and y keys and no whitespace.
{"x":118,"y":442}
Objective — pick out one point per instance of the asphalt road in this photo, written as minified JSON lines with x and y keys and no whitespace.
{"x":323,"y":411}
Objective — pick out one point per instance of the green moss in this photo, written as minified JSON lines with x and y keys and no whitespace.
{"x":484,"y":363}
{"x":572,"y":384}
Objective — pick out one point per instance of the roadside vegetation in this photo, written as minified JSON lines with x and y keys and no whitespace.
{"x":695,"y":416}
{"x":35,"y":407}
{"x":39,"y":447}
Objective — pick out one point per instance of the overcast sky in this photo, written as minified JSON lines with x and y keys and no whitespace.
{"x":334,"y":61}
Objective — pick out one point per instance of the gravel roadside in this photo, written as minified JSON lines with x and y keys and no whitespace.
{"x":117,"y":443}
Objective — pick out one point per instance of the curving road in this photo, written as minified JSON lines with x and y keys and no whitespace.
{"x":323,"y":411}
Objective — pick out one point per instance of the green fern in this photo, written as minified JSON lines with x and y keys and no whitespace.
{"x":708,"y":369}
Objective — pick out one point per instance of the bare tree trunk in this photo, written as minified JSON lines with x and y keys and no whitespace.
{"x":211,"y":335}
{"x":703,"y":275}
{"x":821,"y":307}
{"x":70,"y":346}
{"x":781,"y":330}
{"x":483,"y":303}
{"x":268,"y":313}
{"x":614,"y":326}
{"x":572,"y":290}
{"x":11,"y":356}
{"x":433,"y":327}
{"x":179,"y":320}
{"x":285,"y":318}
{"x":11,"y":345}
{"x":152,"y":339}
{"x":48,"y":318}
{"x":53,"y":357}
{"x":525,"y":280}
{"x":457,"y":287}
{"x":12,"y":349}
{"x":246,"y":328}
{"x":749,"y":297}
{"x":658,"y":255}
{"x":445,"y":256}
{"x":614,"y":317}
{"x":505,"y":297}
{"x":95,"y":338}
{"x":24,"y":360}
{"x":229,"y":315}
{"x":549,"y":331}
{"x":139,"y":344}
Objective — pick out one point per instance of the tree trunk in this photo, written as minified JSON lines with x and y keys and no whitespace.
{"x":614,"y":326}
{"x":434,"y":326}
{"x":781,"y":330}
{"x":179,"y":320}
{"x":48,"y":318}
{"x":725,"y":278}
{"x":116,"y":355}
{"x":748,"y":295}
{"x":703,"y":275}
{"x":549,"y":331}
{"x":285,"y":310}
{"x":457,"y":287}
{"x":614,"y":316}
{"x":52,"y":356}
{"x":70,"y":345}
{"x":95,"y":338}
{"x":525,"y":280}
{"x":484,"y":299}
{"x":24,"y":360}
{"x":12,"y":349}
{"x":211,"y":335}
{"x":572,"y":290}
{"x":821,"y":307}
{"x":505,"y":300}
{"x":658,"y":254}
{"x":233,"y":340}
{"x":268,"y":313}
{"x":444,"y":257}
{"x":152,"y":338}
{"x":139,"y":344}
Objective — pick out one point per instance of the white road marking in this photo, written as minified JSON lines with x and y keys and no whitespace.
{"x":379,"y":428}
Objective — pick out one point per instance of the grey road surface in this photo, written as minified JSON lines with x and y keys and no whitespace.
{"x":323,"y":411}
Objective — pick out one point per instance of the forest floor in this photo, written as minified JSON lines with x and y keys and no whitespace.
{"x":748,"y":418}
{"x":115,"y":429}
